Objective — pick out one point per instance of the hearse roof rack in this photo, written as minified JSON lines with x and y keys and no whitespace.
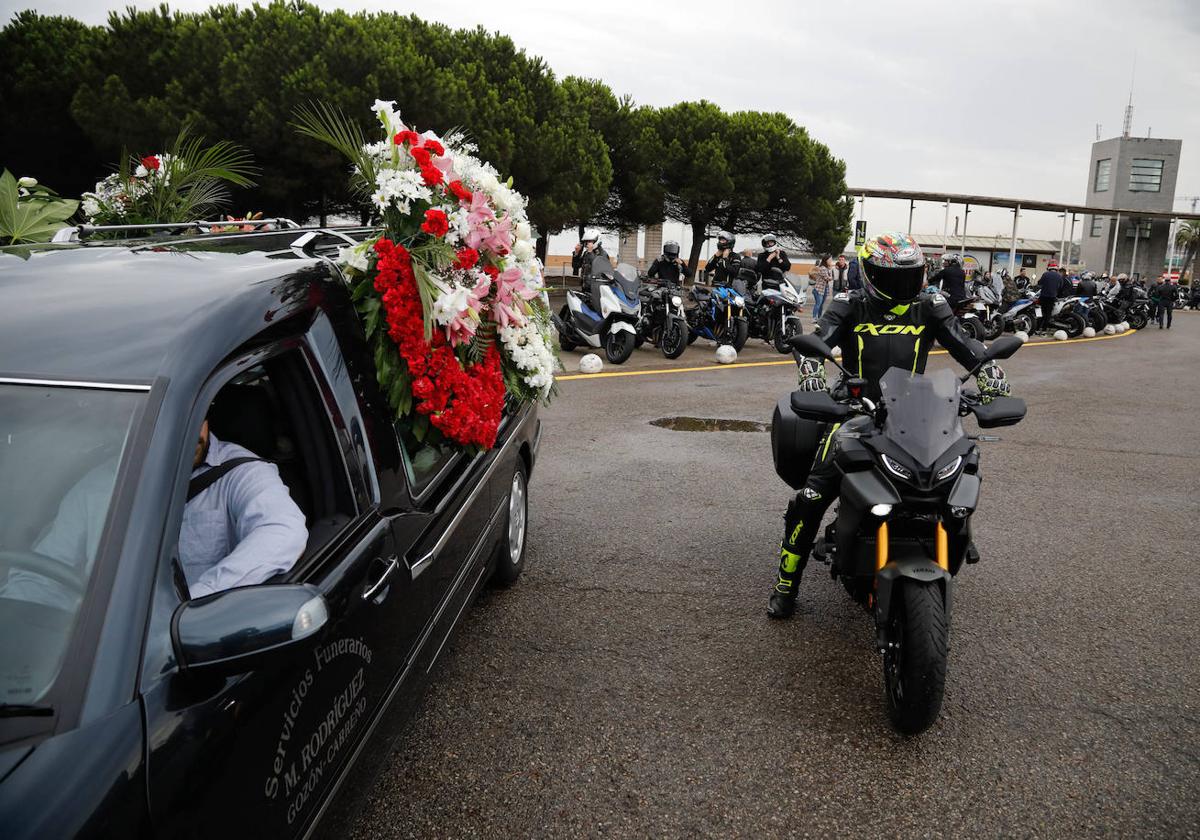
{"x":78,"y":233}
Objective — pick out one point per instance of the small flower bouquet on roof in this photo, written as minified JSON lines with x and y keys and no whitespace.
{"x":186,"y":183}
{"x":451,"y":292}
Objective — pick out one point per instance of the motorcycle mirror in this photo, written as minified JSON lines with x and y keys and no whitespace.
{"x":810,"y":345}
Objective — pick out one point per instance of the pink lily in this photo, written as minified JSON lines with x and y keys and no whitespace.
{"x":511,"y":291}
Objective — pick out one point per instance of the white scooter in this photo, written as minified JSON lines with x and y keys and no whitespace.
{"x":606,"y":315}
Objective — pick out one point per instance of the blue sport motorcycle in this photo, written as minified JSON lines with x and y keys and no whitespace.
{"x":719,"y":315}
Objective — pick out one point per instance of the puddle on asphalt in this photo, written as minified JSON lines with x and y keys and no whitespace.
{"x":709,"y":424}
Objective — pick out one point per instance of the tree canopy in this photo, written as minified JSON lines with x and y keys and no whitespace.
{"x":77,"y":98}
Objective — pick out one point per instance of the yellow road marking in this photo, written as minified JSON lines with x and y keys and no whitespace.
{"x":790,"y":361}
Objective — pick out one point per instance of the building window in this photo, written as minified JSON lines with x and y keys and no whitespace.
{"x":1103,"y":171}
{"x":1140,"y":228}
{"x":1098,"y":223}
{"x":1145,"y":175}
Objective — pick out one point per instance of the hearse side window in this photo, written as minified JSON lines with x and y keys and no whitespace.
{"x":273,"y":411}
{"x":423,"y":461}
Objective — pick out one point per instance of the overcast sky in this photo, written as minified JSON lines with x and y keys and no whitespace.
{"x":991,"y":97}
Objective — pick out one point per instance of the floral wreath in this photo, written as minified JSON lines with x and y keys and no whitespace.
{"x":451,"y":294}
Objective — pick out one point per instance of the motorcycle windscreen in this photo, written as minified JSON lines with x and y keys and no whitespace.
{"x":601,"y":267}
{"x":626,"y":277}
{"x":922,"y":412}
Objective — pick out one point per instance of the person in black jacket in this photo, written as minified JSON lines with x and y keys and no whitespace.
{"x":887,"y":324}
{"x":716,"y":270}
{"x":952,"y":280}
{"x":772,"y":256}
{"x":586,"y":250}
{"x":1051,"y":285}
{"x":669,"y":266}
{"x":1167,"y":296}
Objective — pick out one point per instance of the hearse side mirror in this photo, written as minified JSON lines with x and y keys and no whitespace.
{"x":1003,"y":347}
{"x":809,"y":345}
{"x":231,"y":632}
{"x":819,"y":406}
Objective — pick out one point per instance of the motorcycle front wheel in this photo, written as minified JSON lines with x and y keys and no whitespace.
{"x":972,"y":327}
{"x":734,"y":335}
{"x":1024,"y":323}
{"x":914,"y":664}
{"x":675,"y":339}
{"x":1138,"y":318}
{"x":994,"y":327}
{"x":618,"y":347}
{"x":565,"y":342}
{"x":791,"y":327}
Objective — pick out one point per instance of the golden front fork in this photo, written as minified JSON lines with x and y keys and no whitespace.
{"x":943,"y":548}
{"x":881,"y":547}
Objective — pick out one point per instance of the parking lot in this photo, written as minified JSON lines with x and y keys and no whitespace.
{"x":632,"y":685}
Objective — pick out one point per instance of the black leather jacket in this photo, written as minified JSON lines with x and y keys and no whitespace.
{"x":581,"y":263}
{"x":665,"y":269}
{"x":874,"y":339}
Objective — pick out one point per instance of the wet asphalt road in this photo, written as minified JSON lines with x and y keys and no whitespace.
{"x":631,"y":684}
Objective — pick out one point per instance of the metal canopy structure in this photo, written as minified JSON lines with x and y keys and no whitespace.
{"x":1016,"y":205}
{"x":1013,"y":203}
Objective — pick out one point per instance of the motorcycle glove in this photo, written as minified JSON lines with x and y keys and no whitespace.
{"x":992,"y":383}
{"x":812,"y":375}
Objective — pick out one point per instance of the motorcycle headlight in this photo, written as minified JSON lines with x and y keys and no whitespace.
{"x":949,"y":470}
{"x":676,"y":300}
{"x":896,"y":468}
{"x":738,"y":300}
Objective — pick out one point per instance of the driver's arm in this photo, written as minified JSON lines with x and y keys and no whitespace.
{"x":269,"y":527}
{"x":835,"y":320}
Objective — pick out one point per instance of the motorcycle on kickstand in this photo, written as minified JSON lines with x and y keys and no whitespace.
{"x":663,"y":322}
{"x":719,"y":314}
{"x":605,"y":314}
{"x":774,"y":310}
{"x":902,"y":529}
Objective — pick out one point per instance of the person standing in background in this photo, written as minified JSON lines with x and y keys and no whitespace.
{"x":819,"y":278}
{"x":1165,"y":292}
{"x":841,"y":275}
{"x":1050,"y":285}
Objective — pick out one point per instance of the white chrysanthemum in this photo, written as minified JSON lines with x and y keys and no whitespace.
{"x":399,"y":188}
{"x":522,"y":250}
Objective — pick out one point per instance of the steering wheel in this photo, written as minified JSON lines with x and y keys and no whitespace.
{"x":47,"y":567}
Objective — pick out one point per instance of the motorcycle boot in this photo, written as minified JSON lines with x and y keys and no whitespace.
{"x":782,"y":602}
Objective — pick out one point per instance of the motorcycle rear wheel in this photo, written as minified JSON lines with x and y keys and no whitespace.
{"x":1138,"y":319}
{"x":1073,"y":324}
{"x":1024,"y":323}
{"x":972,"y":327}
{"x":565,"y":342}
{"x":914,"y":666}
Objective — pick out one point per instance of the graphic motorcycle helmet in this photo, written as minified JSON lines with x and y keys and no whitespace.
{"x":725,"y":239}
{"x":893,"y":269}
{"x":671,"y":250}
{"x":769,"y":241}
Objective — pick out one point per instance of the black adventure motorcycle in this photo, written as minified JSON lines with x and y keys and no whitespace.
{"x":902,"y":529}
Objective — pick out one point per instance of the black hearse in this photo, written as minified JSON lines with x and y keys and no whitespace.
{"x":128,"y":710}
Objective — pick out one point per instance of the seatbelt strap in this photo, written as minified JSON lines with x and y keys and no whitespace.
{"x":212,"y":475}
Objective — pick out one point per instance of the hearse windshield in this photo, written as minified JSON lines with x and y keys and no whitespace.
{"x":59,"y":452}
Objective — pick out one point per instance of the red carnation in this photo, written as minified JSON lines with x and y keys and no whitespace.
{"x":491,"y":271}
{"x":436,"y":223}
{"x":151,"y":162}
{"x":406,"y":136}
{"x":460,"y":192}
{"x":421,"y":156}
{"x":435,"y":147}
{"x":467,"y":259}
{"x":431,"y":175}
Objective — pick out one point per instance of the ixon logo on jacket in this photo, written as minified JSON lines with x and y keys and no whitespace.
{"x":890,"y":329}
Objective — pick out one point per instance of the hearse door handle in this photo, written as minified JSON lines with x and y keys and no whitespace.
{"x":393,"y":563}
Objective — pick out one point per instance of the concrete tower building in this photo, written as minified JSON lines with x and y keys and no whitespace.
{"x":1130,"y":173}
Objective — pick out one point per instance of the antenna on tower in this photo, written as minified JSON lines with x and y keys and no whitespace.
{"x":1097,"y":132}
{"x":1128,"y":127}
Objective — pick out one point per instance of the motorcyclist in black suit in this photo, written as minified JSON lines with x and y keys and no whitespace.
{"x":669,"y":266}
{"x":716,"y":270}
{"x":772,"y":256}
{"x":887,"y":324}
{"x":952,"y":280}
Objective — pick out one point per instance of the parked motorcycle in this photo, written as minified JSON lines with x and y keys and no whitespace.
{"x":663,"y":322}
{"x":987,"y":307}
{"x":773,"y":310}
{"x":719,"y":314}
{"x":902,"y":529}
{"x":606,"y":314}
